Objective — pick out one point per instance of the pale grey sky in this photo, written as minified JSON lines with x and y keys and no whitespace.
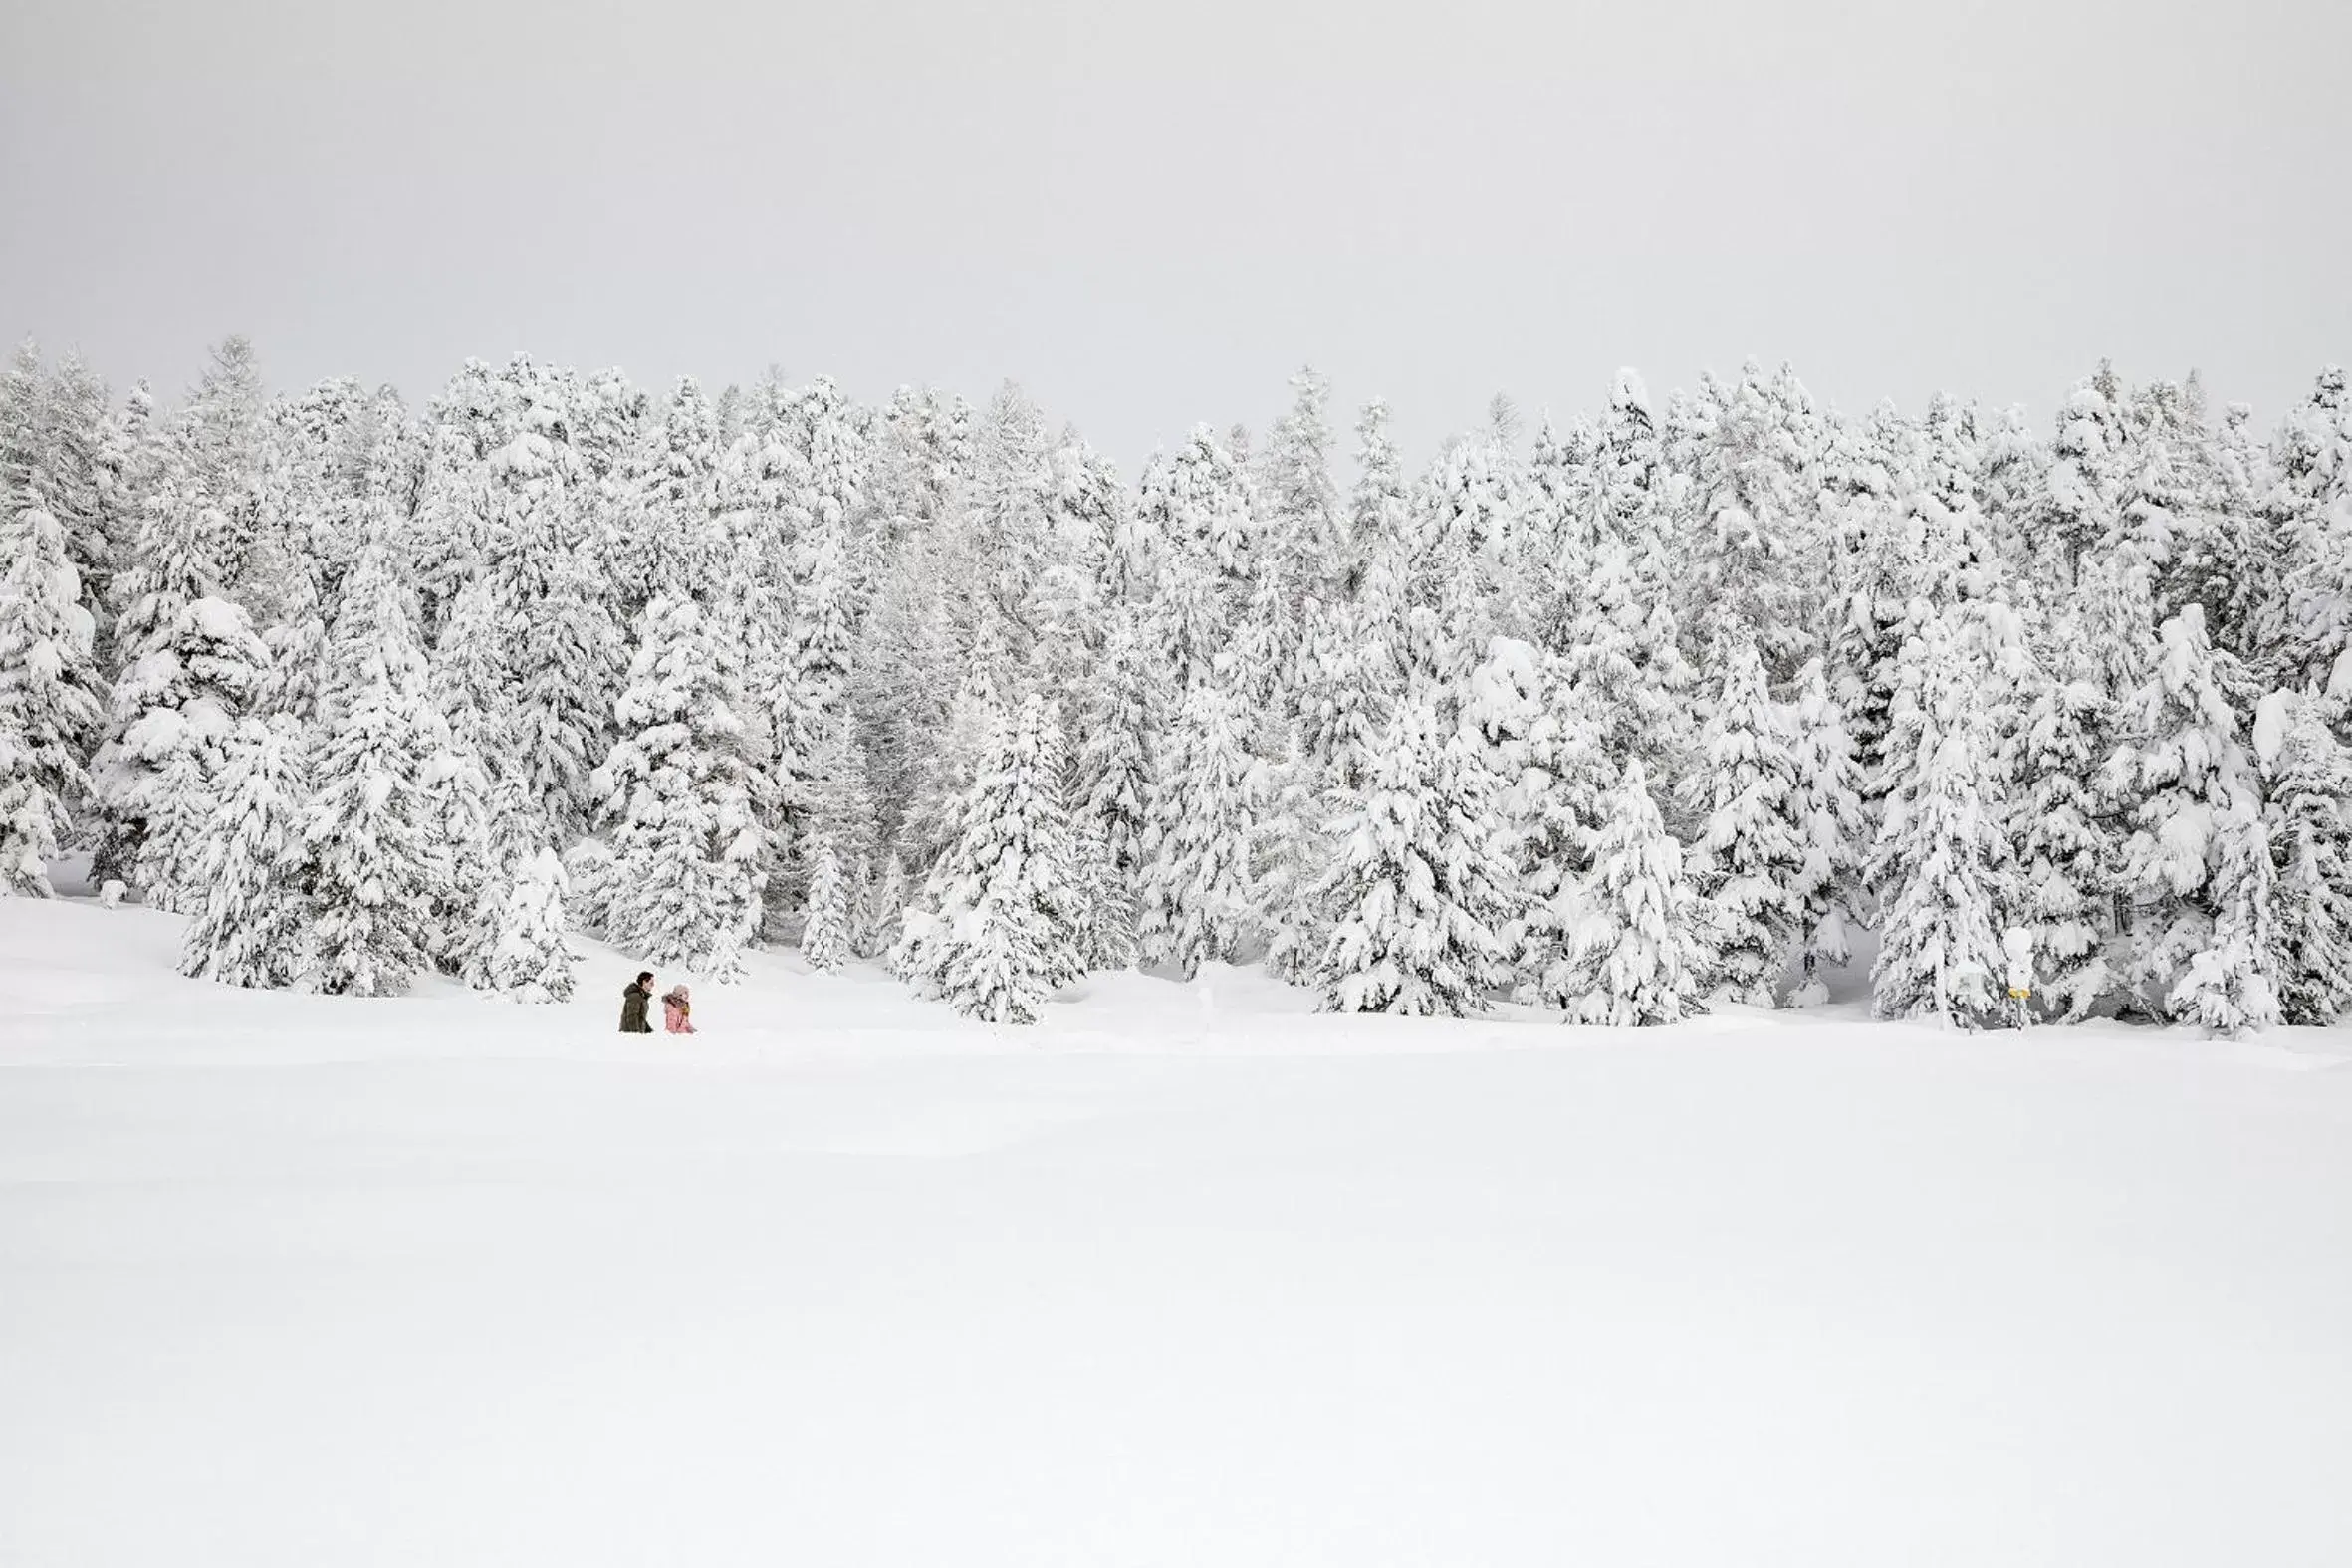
{"x":1150,"y":214}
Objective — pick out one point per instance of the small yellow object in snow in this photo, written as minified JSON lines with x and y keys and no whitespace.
{"x":2019,"y":993}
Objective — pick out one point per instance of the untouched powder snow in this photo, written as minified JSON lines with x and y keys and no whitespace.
{"x":1186,"y":1275}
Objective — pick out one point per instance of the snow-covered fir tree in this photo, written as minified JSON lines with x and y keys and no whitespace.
{"x":194,"y":667}
{"x":2310,"y":777}
{"x":370,"y":820}
{"x":882,"y":912}
{"x":690,"y":856}
{"x":2068,"y":860}
{"x":1834,"y":832}
{"x":2198,"y":864}
{"x":995,"y":935}
{"x":1197,"y":904}
{"x":49,"y":696}
{"x":1634,"y":954}
{"x":1749,"y":859}
{"x":1941,"y":865}
{"x":1422,"y":891}
{"x":253,"y":913}
{"x":532,"y":962}
{"x":837,"y":844}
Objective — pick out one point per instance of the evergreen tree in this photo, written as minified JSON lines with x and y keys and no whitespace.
{"x":1833,"y":833}
{"x":2067,"y":855}
{"x":1634,"y":956}
{"x":1941,"y":862}
{"x":839,"y":839}
{"x":882,"y":910}
{"x":1634,"y":481}
{"x":1303,"y":504}
{"x":49,"y":704}
{"x":2082,"y":503}
{"x":1743,"y":581}
{"x":194,"y":668}
{"x":1114,"y":770}
{"x":553,"y":600}
{"x":1196,"y":901}
{"x":690,"y":856}
{"x":1420,"y":897}
{"x":1750,"y":855}
{"x":1105,"y":894}
{"x":995,"y":938}
{"x":2310,"y":829}
{"x":370,"y":821}
{"x":254,"y":912}
{"x":1624,"y":679}
{"x":826,"y":937}
{"x":2198,"y":860}
{"x":2304,"y":617}
{"x":1378,"y":509}
{"x":532,"y":962}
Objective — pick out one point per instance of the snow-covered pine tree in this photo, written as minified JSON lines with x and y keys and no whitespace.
{"x":2068,"y":860}
{"x":1379,"y":511}
{"x":1114,"y":770}
{"x":1421,"y":894}
{"x":690,"y":856}
{"x":839,"y":460}
{"x":214,"y":453}
{"x":1941,"y":863}
{"x":371,"y":822}
{"x":1634,"y":481}
{"x":194,"y":667}
{"x":1195,"y":897}
{"x":1105,"y":897}
{"x":1834,"y":833}
{"x":589,"y":875}
{"x":1622,"y":679}
{"x":553,"y":602}
{"x":814,"y":668}
{"x":1749,"y":859}
{"x":2082,"y":502}
{"x":1348,"y":688}
{"x":1287,"y":853}
{"x":995,"y":938}
{"x":2198,"y":862}
{"x":1008,"y":509}
{"x":882,"y":911}
{"x":1878,"y":579}
{"x":25,"y":428}
{"x":2309,"y":775}
{"x":1304,"y":518}
{"x":253,"y":906}
{"x":2229,"y":568}
{"x":81,"y":480}
{"x":838,"y":839}
{"x":824,"y":937}
{"x":2306,"y":515}
{"x":466,"y":861}
{"x":531,"y":961}
{"x":1634,"y":956}
{"x":48,"y":702}
{"x":1744,"y":570}
{"x":513,"y":834}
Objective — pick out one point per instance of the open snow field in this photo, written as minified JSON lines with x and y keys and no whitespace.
{"x":1186,"y":1276}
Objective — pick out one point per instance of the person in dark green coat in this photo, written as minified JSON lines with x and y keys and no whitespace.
{"x":633,"y":998}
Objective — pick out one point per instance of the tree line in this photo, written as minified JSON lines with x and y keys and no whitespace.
{"x":1636,"y":709}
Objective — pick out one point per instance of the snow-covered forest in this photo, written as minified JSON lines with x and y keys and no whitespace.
{"x":1613,"y":711}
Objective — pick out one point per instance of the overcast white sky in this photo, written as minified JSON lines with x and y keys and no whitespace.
{"x":1150,"y":214}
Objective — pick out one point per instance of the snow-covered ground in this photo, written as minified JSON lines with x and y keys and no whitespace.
{"x":1187,"y":1275}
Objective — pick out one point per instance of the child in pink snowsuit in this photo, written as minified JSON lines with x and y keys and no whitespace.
{"x":674,"y":1010}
